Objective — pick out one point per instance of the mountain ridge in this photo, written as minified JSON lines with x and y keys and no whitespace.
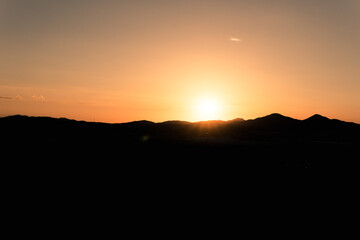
{"x":271,"y":141}
{"x":269,"y":127}
{"x":272,"y":116}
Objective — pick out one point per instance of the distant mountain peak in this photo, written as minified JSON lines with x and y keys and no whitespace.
{"x":316,"y":117}
{"x":273,"y":121}
{"x":274,"y":116}
{"x":238,"y":120}
{"x":141,"y":122}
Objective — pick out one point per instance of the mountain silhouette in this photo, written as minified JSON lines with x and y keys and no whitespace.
{"x":175,"y":170}
{"x":270,"y":130}
{"x":273,"y":121}
{"x":317,"y":118}
{"x":170,"y":149}
{"x":22,"y":126}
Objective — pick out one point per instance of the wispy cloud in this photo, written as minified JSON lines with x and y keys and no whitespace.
{"x":38,"y":98}
{"x":235,"y":39}
{"x":6,"y":98}
{"x":17,"y":97}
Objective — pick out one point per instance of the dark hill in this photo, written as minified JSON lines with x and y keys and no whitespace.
{"x":224,"y":148}
{"x":154,"y":175}
{"x":273,"y":121}
{"x":38,"y":127}
{"x":260,"y":132}
{"x":317,"y":118}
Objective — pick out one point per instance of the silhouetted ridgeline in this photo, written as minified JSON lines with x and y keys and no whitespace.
{"x":159,"y":173}
{"x":271,"y":129}
{"x":270,"y":141}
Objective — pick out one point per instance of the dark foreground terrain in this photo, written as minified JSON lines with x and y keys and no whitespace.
{"x":62,"y":174}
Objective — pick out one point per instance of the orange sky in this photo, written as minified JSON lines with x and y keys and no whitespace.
{"x":118,"y":61}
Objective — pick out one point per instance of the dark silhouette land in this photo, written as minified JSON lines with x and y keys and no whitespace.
{"x":176,"y":170}
{"x":271,"y":141}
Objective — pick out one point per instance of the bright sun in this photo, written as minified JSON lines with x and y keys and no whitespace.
{"x":208,"y":109}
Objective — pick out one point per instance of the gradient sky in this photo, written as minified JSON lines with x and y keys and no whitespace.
{"x":125,"y":60}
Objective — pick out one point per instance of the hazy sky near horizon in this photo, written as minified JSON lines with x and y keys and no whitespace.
{"x":125,"y":60}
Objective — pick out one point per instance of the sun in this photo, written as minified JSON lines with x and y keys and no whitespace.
{"x":208,"y":109}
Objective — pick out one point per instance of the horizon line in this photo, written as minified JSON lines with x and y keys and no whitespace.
{"x":175,"y":120}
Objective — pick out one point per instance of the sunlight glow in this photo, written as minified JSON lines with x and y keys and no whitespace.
{"x":208,"y":109}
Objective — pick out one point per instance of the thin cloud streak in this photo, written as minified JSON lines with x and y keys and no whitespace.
{"x":234,"y":39}
{"x":6,"y":98}
{"x":17,"y":97}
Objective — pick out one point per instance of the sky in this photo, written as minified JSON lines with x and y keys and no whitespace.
{"x":127,"y":60}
